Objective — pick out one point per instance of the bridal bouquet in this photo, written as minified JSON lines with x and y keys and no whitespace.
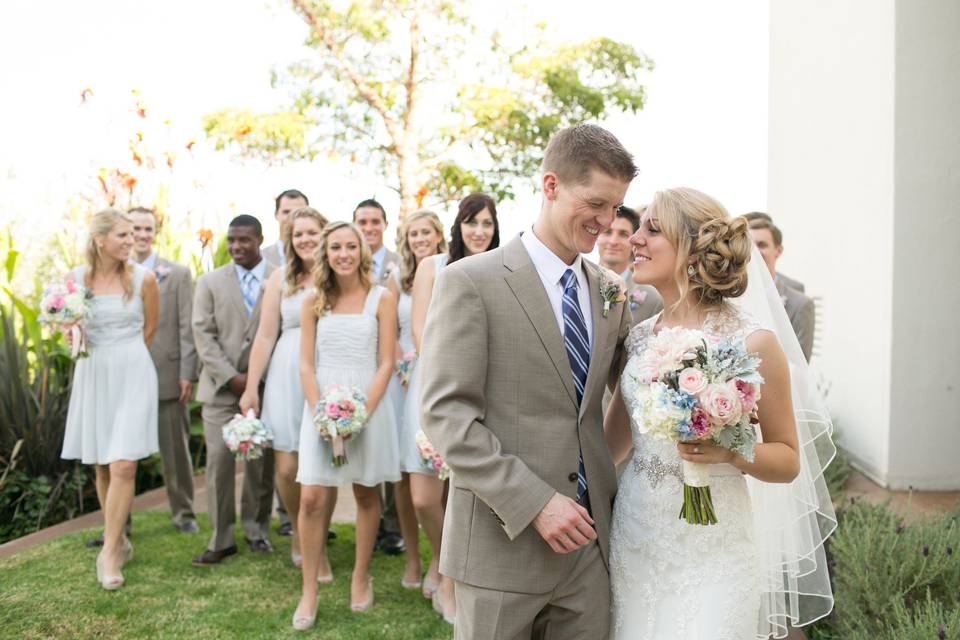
{"x":246,"y":437}
{"x":404,"y":367}
{"x":340,"y":413}
{"x":431,"y":457}
{"x":68,"y":305}
{"x":691,"y":388}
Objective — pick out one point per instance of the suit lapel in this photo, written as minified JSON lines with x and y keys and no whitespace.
{"x":599,"y":335}
{"x":526,"y":285}
{"x":234,"y":293}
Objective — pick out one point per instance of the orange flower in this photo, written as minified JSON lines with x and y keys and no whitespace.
{"x":244,"y":130}
{"x":190,"y":145}
{"x":129,"y":181}
{"x":421,"y":194}
{"x":206,"y":237}
{"x":137,"y":158}
{"x":170,"y":156}
{"x":353,"y":157}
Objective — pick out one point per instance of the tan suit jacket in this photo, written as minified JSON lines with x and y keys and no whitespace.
{"x":643,"y":301}
{"x":272,"y":254}
{"x":498,"y":401}
{"x":790,"y":282}
{"x":222,"y":331}
{"x":389,"y":258}
{"x":802,"y":312}
{"x":172,"y":350}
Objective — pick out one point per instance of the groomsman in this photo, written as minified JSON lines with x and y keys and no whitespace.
{"x":285,"y":204}
{"x":779,"y":277}
{"x":371,"y":218}
{"x":226,"y":312}
{"x":615,"y":254}
{"x":800,"y":309}
{"x":176,"y":360}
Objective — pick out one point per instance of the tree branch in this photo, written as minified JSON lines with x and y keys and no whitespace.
{"x":367,"y":92}
{"x":411,"y":82}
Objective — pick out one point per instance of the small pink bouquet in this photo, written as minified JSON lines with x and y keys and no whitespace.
{"x":340,"y":414}
{"x":692,"y":388}
{"x":246,"y":437}
{"x":431,"y":457}
{"x":404,"y":367}
{"x":68,"y":305}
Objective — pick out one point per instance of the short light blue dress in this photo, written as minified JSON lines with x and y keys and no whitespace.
{"x":346,"y":355}
{"x":112,"y":413}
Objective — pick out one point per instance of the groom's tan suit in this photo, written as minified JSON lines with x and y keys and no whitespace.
{"x":499,"y":402}
{"x":224,"y":333}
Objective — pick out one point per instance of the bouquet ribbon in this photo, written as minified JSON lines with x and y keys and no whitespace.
{"x":76,"y":341}
{"x":338,"y":447}
{"x":696,"y":474}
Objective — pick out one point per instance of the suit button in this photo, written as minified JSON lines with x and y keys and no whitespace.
{"x":572,"y":477}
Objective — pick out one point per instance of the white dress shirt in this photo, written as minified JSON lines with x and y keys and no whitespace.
{"x":550,"y":268}
{"x":150,"y":263}
{"x":257,"y":272}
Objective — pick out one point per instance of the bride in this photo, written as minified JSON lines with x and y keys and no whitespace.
{"x":762,"y":566}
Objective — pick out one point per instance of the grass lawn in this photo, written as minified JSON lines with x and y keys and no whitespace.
{"x":51,"y":592}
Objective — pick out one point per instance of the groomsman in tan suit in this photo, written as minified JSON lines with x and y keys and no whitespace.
{"x":371,"y":218}
{"x":615,"y":254}
{"x":285,"y":204}
{"x":801,"y":309}
{"x":176,"y":360}
{"x":226,"y":312}
{"x":779,"y":278}
{"x":517,"y":352}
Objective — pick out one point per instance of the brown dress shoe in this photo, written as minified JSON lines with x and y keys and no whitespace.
{"x":209,"y":558}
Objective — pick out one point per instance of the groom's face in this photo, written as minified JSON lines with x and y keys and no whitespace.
{"x":580,"y":212}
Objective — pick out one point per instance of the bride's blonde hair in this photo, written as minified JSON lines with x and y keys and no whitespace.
{"x":706,"y":237}
{"x":101,"y":224}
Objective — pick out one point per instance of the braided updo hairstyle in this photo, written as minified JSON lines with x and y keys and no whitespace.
{"x":700,"y":228}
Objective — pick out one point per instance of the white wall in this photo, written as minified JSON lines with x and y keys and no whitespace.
{"x":831,"y":188}
{"x":925,"y":367}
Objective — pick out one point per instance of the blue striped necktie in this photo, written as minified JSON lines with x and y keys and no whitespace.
{"x":578,"y":352}
{"x":248,"y":290}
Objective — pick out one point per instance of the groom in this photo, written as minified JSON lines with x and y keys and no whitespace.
{"x":516,"y":354}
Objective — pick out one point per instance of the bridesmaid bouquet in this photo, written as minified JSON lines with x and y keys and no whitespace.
{"x":431,"y":457}
{"x":340,"y":413}
{"x":404,"y":367}
{"x":246,"y":437}
{"x":68,"y":305}
{"x":692,"y":387}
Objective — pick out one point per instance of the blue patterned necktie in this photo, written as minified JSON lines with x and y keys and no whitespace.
{"x":578,"y":352}
{"x":249,"y":291}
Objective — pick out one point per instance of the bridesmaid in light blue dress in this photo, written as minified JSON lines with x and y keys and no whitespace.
{"x":475,"y":230}
{"x":112,"y":415}
{"x":280,"y":357}
{"x":420,"y":237}
{"x":348,"y":336}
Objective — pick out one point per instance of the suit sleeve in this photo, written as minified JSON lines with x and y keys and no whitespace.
{"x":620,"y":355}
{"x":207,"y":336}
{"x":188,"y":352}
{"x":453,"y":405}
{"x":803,"y":325}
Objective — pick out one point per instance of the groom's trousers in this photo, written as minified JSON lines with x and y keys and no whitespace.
{"x":578,"y":608}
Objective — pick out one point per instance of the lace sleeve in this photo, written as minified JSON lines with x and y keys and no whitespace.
{"x":636,"y":340}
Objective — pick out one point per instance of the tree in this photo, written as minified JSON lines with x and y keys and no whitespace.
{"x":410,"y":87}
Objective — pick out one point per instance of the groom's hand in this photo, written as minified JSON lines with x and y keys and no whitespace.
{"x":564,"y":524}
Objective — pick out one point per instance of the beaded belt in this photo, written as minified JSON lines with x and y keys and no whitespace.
{"x":656,"y":469}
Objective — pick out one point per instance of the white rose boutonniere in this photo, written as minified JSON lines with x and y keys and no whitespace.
{"x":611,"y":290}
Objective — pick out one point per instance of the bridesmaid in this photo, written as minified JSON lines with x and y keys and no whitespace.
{"x":420,"y":237}
{"x":283,"y":394}
{"x":112,"y":415}
{"x":474,"y":231}
{"x":348,"y":337}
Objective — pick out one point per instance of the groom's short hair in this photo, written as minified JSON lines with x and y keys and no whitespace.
{"x":574,"y":151}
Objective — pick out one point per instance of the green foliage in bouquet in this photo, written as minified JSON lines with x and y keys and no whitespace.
{"x":893,"y":580}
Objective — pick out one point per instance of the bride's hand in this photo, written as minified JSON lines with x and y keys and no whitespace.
{"x":704,"y":453}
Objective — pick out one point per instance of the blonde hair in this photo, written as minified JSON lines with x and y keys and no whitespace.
{"x":101,"y":224}
{"x":324,"y":280}
{"x":700,"y":228}
{"x":408,"y":261}
{"x":295,"y":265}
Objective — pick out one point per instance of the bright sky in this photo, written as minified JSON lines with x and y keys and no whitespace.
{"x":704,"y":126}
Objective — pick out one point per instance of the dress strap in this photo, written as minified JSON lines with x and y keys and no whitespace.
{"x":373,"y":300}
{"x":138,"y":272}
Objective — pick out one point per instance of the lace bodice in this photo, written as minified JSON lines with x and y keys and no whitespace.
{"x":114,"y":320}
{"x":349,"y":340}
{"x":291,"y":306}
{"x":658,"y":560}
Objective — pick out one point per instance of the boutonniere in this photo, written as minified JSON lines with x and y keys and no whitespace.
{"x":637,"y":298}
{"x":388,"y":268}
{"x":611,"y":290}
{"x":161,"y":272}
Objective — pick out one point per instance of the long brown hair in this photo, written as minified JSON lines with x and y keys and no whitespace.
{"x":324,"y":280}
{"x":295,"y":265}
{"x":408,"y":261}
{"x":101,"y":224}
{"x":467,"y":210}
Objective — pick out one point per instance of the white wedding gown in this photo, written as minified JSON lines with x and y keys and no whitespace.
{"x":671,"y":580}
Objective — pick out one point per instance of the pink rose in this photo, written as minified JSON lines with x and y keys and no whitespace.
{"x":56,"y":303}
{"x":692,"y":381}
{"x":648,"y":372}
{"x":332,"y":410}
{"x":344,"y":413}
{"x":638,"y":296}
{"x":71,"y":287}
{"x":347,"y":405}
{"x":747,"y":393}
{"x":721,"y":403}
{"x":700,"y":423}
